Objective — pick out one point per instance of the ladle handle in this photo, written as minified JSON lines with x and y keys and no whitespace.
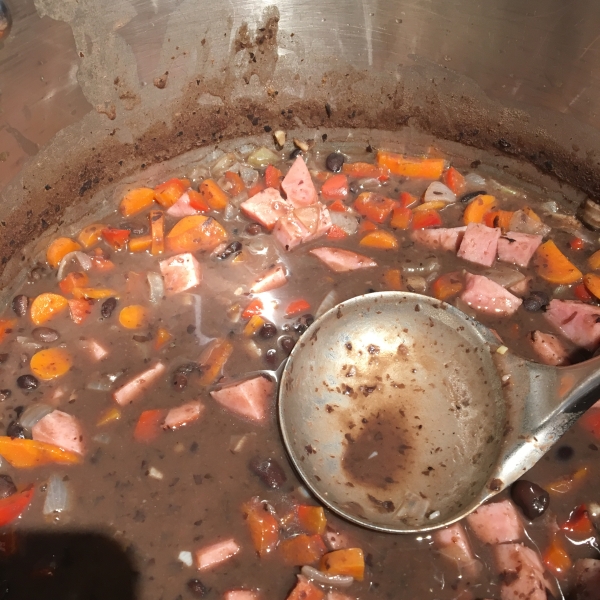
{"x":579,"y":386}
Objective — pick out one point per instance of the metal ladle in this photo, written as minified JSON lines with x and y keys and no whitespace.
{"x":403,"y":414}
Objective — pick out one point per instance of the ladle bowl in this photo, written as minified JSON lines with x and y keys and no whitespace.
{"x":403,"y":414}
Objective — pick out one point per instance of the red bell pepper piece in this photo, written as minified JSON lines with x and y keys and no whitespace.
{"x":579,"y":522}
{"x":336,"y":233}
{"x":117,"y":238}
{"x":259,"y":186}
{"x":582,"y":293}
{"x":590,"y":421}
{"x":454,"y":180}
{"x":254,"y":308}
{"x":197,"y":201}
{"x":335,"y":188}
{"x":426,"y":218}
{"x":149,"y":426}
{"x":375,"y":207}
{"x":273,"y":177}
{"x":296,"y":307}
{"x":13,"y":506}
{"x":337,"y":206}
{"x":406,"y":200}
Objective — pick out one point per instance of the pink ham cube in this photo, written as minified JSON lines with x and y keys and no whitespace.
{"x":302,"y":225}
{"x":521,"y":572}
{"x":453,"y":543}
{"x":489,"y":297}
{"x":215,"y":554}
{"x":579,"y":322}
{"x":274,"y":278}
{"x":548,"y":348}
{"x":134,"y":388}
{"x":444,"y":238}
{"x":181,"y":273}
{"x":342,"y":260}
{"x":290,"y":232}
{"x":183,"y":415}
{"x":60,"y":429}
{"x":250,"y":398}
{"x":266,"y":208}
{"x":479,"y":244}
{"x":496,"y":523}
{"x":518,"y":248}
{"x":95,"y":349}
{"x":182,"y":208}
{"x":298,"y":185}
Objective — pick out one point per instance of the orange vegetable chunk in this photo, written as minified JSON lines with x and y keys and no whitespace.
{"x":383,"y":240}
{"x":90,"y":235}
{"x":109,"y":416}
{"x":401,"y":217}
{"x":213,"y":195}
{"x":553,"y":266}
{"x":135,"y":201}
{"x":149,"y":426}
{"x":426,"y":218}
{"x":236,"y":183}
{"x":133,"y":316}
{"x":349,"y":561}
{"x":498,"y":218}
{"x":454,"y":180}
{"x":273,"y":177}
{"x":116,"y":238}
{"x":73,"y":280}
{"x":94,"y":293}
{"x":592,"y":283}
{"x":167,"y":193}
{"x":162,"y":337}
{"x":556,"y":558}
{"x":80,"y":309}
{"x":335,"y":188}
{"x":336,"y":233}
{"x":375,"y":207}
{"x":478,"y":208}
{"x":46,"y":306}
{"x":312,"y":519}
{"x":213,"y":359}
{"x":13,"y":506}
{"x":296,"y":307}
{"x":59,"y":248}
{"x":23,"y":453}
{"x":140,"y":244}
{"x":422,"y":168}
{"x":264,"y":528}
{"x":392,"y":279}
{"x":302,"y":549}
{"x":157,"y":231}
{"x":447,"y":285}
{"x":254,"y":308}
{"x":195,"y":233}
{"x":433,"y":205}
{"x":305,"y":590}
{"x":594,"y":261}
{"x":50,"y":363}
{"x":362,"y":170}
{"x":6,"y":326}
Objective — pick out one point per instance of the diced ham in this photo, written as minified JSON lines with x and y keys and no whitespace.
{"x":521,"y":288}
{"x":305,"y":590}
{"x":578,"y":321}
{"x":342,"y":260}
{"x":250,"y":398}
{"x":453,"y":543}
{"x":134,"y":388}
{"x":548,"y":348}
{"x":180,"y":272}
{"x":271,"y":280}
{"x":240,"y":595}
{"x":316,"y":219}
{"x":496,"y":523}
{"x":302,"y":225}
{"x":183,"y":415}
{"x":95,"y":349}
{"x":480,"y":244}
{"x":266,"y":207}
{"x":444,"y":238}
{"x":61,"y":429}
{"x":518,"y":248}
{"x":182,"y":207}
{"x":488,"y":297}
{"x":298,"y":185}
{"x":215,"y":554}
{"x":522,"y":573}
{"x":587,"y":584}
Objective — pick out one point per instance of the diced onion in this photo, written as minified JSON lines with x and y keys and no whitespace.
{"x":342,"y":581}
{"x":328,"y":303}
{"x":84,"y":260}
{"x":157,"y":287}
{"x":34,"y":413}
{"x":98,"y":385}
{"x":504,"y":276}
{"x":57,"y":496}
{"x":344,"y":221}
{"x":438,"y":192}
{"x":185,"y":556}
{"x":245,"y":149}
{"x":429,"y":265}
{"x":475,"y":180}
{"x":231,"y":212}
{"x":249,"y":175}
{"x":262,"y":157}
{"x":224,"y":163}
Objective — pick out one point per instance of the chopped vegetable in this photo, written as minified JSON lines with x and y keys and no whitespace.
{"x":59,"y":248}
{"x":302,"y":549}
{"x":264,"y":528}
{"x":140,"y":244}
{"x":162,"y":337}
{"x":273,"y":177}
{"x":296,"y":307}
{"x":73,"y":280}
{"x":167,"y":193}
{"x":305,"y":590}
{"x":46,"y":306}
{"x":335,"y":188}
{"x":197,"y":201}
{"x":556,"y":558}
{"x":213,"y":359}
{"x":90,"y":235}
{"x":254,"y":308}
{"x":6,"y":327}
{"x":149,"y":426}
{"x":579,"y":522}
{"x":336,"y":233}
{"x":454,"y":180}
{"x":383,"y":240}
{"x":94,"y":293}
{"x":407,"y":200}
{"x":117,"y":238}
{"x":24,"y":453}
{"x":236,"y":183}
{"x":253,"y":325}
{"x":109,"y":416}
{"x":401,"y":217}
{"x":195,"y":233}
{"x":312,"y":519}
{"x":361,"y":170}
{"x":422,"y":168}
{"x":157,"y":232}
{"x":14,"y":506}
{"x":446,"y":286}
{"x":135,"y":201}
{"x":133,"y":317}
{"x":553,"y":266}
{"x":592,"y":282}
{"x":338,"y":206}
{"x":392,"y":280}
{"x":426,"y":206}
{"x":51,"y":363}
{"x":594,"y":261}
{"x":426,"y":218}
{"x":375,"y":207}
{"x":499,"y":218}
{"x":349,"y":561}
{"x":213,"y":195}
{"x":478,"y":208}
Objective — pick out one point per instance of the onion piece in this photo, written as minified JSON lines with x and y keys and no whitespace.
{"x":249,"y":175}
{"x":342,"y":581}
{"x":504,"y":276}
{"x":475,"y":180}
{"x":262,"y":157}
{"x":57,"y":495}
{"x":327,"y":304}
{"x":84,"y":260}
{"x":429,"y":265}
{"x":224,"y":163}
{"x":345,"y":221}
{"x":438,"y":192}
{"x":309,"y":217}
{"x":34,"y":413}
{"x":157,"y":287}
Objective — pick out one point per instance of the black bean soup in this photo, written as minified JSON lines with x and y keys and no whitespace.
{"x":111,"y":354}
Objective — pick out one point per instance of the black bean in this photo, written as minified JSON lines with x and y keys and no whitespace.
{"x":564,"y":453}
{"x":27,"y":382}
{"x":530,"y":498}
{"x":334,"y":162}
{"x":107,"y":307}
{"x":46,"y":335}
{"x":232,"y":250}
{"x":20,"y":304}
{"x":253,"y":229}
{"x":180,"y":381}
{"x":197,"y":588}
{"x":295,"y":153}
{"x":142,"y":338}
{"x":7,"y":486}
{"x":3,"y":357}
{"x":536,"y":301}
{"x":267,"y":331}
{"x":354,"y":187}
{"x":269,"y":471}
{"x":135,"y":228}
{"x":287,"y":343}
{"x":308,"y":319}
{"x":5,"y":395}
{"x":468,"y":197}
{"x":299,"y":328}
{"x":271,"y":356}
{"x":15,"y":430}
{"x":37,"y":273}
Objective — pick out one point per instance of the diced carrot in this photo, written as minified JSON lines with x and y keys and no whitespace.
{"x":46,"y":306}
{"x":592,"y":283}
{"x":478,"y":208}
{"x":556,"y":558}
{"x":80,"y":309}
{"x":454,"y":180}
{"x":59,"y":248}
{"x":594,"y":261}
{"x":6,"y":326}
{"x":392,"y":279}
{"x":336,"y":233}
{"x":167,"y":193}
{"x":366,"y":226}
{"x":579,"y":522}
{"x":426,"y":218}
{"x":90,"y":235}
{"x":582,"y":293}
{"x":553,"y":266}
{"x":576,"y":244}
{"x":264,"y":528}
{"x":50,"y":363}
{"x":157,"y":231}
{"x":136,"y":201}
{"x":383,"y":240}
{"x":133,"y":316}
{"x":335,"y":188}
{"x":321,"y":176}
{"x":531,"y":214}
{"x":273,"y":177}
{"x":13,"y":506}
{"x":253,"y":325}
{"x":433,"y":205}
{"x":197,"y":201}
{"x":236,"y":183}
{"x":195,"y":233}
{"x":94,"y":293}
{"x":362,"y":169}
{"x":73,"y":280}
{"x":117,"y":238}
{"x":259,"y":186}
{"x":140,"y":244}
{"x":302,"y":549}
{"x":24,"y":453}
{"x":296,"y":307}
{"x":162,"y":337}
{"x":401,"y":217}
{"x":375,"y":207}
{"x":213,"y":359}
{"x":254,"y":308}
{"x":498,"y":218}
{"x":447,"y":285}
{"x":407,"y":200}
{"x":590,"y":422}
{"x":349,"y":561}
{"x":109,"y":416}
{"x":422,"y":168}
{"x":312,"y":519}
{"x":213,"y":195}
{"x":337,"y":206}
{"x":149,"y":426}
{"x":305,"y":590}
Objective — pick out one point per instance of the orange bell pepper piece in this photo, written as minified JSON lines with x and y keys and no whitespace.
{"x":46,"y":306}
{"x":361,"y":170}
{"x":478,"y":208}
{"x":90,"y":235}
{"x":447,"y":285}
{"x":567,"y":483}
{"x":592,"y":283}
{"x":14,"y":506}
{"x":264,"y":528}
{"x":51,"y":363}
{"x":23,"y":453}
{"x":401,"y":217}
{"x":367,"y":226}
{"x":80,"y":309}
{"x":273,"y":177}
{"x":426,"y":218}
{"x":421,"y":168}
{"x":433,"y":205}
{"x":349,"y":561}
{"x":335,"y":188}
{"x":6,"y":326}
{"x":259,"y":186}
{"x":553,"y":266}
{"x":454,"y":180}
{"x":135,"y":201}
{"x":556,"y":558}
{"x":383,"y":240}
{"x":140,"y":244}
{"x":72,"y":281}
{"x":213,"y":359}
{"x":236,"y":183}
{"x":149,"y":425}
{"x":167,"y":193}
{"x":100,"y":263}
{"x":195,"y":233}
{"x":109,"y":416}
{"x":59,"y":248}
{"x":213,"y":195}
{"x":312,"y":519}
{"x":157,"y":232}
{"x":302,"y":549}
{"x":296,"y":307}
{"x":375,"y":207}
{"x":162,"y":337}
{"x":392,"y":279}
{"x":90,"y":293}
